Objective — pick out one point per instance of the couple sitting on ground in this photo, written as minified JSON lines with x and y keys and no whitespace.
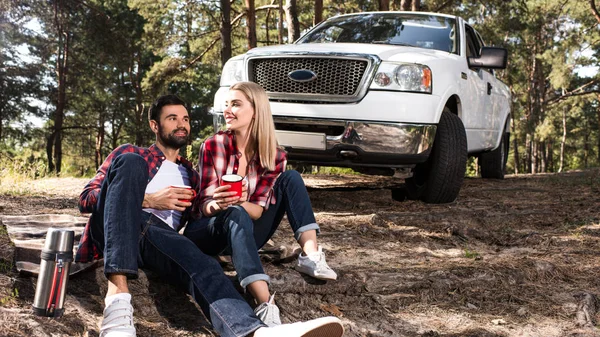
{"x":136,"y":215}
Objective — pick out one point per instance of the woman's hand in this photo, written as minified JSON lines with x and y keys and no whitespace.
{"x":244,"y":196}
{"x":225,"y":198}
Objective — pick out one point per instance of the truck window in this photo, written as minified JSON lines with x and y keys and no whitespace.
{"x":423,"y":31}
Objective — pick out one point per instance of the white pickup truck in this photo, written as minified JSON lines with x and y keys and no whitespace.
{"x":386,"y":92}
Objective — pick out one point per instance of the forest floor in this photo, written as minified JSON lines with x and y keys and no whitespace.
{"x":512,"y":257}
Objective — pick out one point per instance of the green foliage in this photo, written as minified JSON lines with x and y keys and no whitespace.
{"x":10,"y":299}
{"x":125,"y":53}
{"x":471,"y":254}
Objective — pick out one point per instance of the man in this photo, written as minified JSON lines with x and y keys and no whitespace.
{"x":136,"y":215}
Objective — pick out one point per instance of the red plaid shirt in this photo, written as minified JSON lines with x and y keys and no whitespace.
{"x":219,"y":156}
{"x":88,"y":199}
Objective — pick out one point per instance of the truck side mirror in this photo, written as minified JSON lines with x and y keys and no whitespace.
{"x":491,"y":57}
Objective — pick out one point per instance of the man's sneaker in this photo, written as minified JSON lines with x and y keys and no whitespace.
{"x":118,"y":320}
{"x":314,"y":264}
{"x":320,"y":327}
{"x":268,"y":312}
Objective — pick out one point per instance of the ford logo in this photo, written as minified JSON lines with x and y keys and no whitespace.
{"x":302,"y":75}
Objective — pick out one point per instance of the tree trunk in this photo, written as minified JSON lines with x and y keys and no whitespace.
{"x":515,"y":147}
{"x":586,"y":144}
{"x":99,"y":142}
{"x":543,"y":157}
{"x":384,"y":5}
{"x":250,"y":24}
{"x":62,"y":70}
{"x":225,"y":31}
{"x":293,"y":25}
{"x":49,"y":144}
{"x":416,"y":5}
{"x":280,"y":23}
{"x":405,"y":5}
{"x":318,"y":12}
{"x":267,"y":16}
{"x":138,"y":112}
{"x":563,"y":140}
{"x":550,"y":155}
{"x":598,"y":114}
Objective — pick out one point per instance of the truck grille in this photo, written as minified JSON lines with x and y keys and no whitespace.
{"x":335,"y":76}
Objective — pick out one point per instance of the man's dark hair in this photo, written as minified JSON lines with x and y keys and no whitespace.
{"x":162,"y":101}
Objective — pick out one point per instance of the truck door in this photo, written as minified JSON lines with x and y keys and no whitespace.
{"x":477,"y":119}
{"x":495,"y":102}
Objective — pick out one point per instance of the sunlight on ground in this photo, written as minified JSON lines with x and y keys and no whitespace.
{"x":62,"y":187}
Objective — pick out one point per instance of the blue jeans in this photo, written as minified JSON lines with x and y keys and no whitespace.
{"x":131,"y":238}
{"x":233,"y":232}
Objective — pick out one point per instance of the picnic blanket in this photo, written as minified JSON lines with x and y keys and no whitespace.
{"x":28,"y":234}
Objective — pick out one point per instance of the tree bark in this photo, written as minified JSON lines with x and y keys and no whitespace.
{"x":225,"y":31}
{"x":250,"y":24}
{"x":416,"y":5}
{"x":318,"y":12}
{"x":563,"y":140}
{"x":280,"y":23}
{"x":384,"y":5}
{"x":595,"y":10}
{"x":293,"y":25}
{"x":62,"y":70}
{"x":515,"y":147}
{"x":405,"y":5}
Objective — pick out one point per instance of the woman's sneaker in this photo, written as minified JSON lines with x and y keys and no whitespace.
{"x":314,"y":264}
{"x":268,"y":312}
{"x":320,"y":327}
{"x":118,"y":318}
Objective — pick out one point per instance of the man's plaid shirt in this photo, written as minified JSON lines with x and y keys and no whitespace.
{"x":89,"y":197}
{"x":219,"y":156}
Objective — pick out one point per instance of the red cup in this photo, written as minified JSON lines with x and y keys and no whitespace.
{"x":235,"y":181}
{"x":187,"y":188}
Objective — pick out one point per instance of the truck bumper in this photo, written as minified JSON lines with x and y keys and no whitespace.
{"x":375,"y":144}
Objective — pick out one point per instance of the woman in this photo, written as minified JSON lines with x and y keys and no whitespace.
{"x":240,"y":225}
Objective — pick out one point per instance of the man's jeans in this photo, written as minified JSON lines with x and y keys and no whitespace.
{"x":232,"y":232}
{"x":132,"y":239}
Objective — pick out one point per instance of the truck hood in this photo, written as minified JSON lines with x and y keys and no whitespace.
{"x":384,"y":52}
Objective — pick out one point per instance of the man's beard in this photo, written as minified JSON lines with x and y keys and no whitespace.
{"x":172,"y":141}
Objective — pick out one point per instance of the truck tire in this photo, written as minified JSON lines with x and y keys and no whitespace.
{"x":439,"y":179}
{"x":493,"y":164}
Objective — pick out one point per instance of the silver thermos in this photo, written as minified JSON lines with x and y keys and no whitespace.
{"x":57,"y":256}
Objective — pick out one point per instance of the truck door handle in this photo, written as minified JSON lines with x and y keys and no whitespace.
{"x":489,"y":88}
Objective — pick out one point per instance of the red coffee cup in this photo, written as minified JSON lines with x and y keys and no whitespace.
{"x":187,"y":188}
{"x":235,"y":181}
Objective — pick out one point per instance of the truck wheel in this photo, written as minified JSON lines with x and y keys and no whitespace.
{"x":440,"y":178}
{"x":492,"y":164}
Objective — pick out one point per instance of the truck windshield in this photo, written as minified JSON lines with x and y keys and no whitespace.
{"x":424,"y":31}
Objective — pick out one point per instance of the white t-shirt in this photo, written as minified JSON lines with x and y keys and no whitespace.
{"x":168,"y":174}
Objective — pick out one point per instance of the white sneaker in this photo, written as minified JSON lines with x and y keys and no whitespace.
{"x":320,"y":327}
{"x":268,"y":312}
{"x":118,"y":320}
{"x":314,"y":264}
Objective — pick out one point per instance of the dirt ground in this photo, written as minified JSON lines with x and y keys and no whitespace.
{"x":515,"y":257}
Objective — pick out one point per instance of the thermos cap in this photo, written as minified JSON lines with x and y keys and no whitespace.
{"x":59,"y":240}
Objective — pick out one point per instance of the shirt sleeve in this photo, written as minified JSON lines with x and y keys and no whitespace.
{"x":89,"y":197}
{"x":266,"y":181}
{"x":209,"y":179}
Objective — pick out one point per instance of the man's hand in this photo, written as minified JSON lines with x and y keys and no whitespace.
{"x":169,"y":198}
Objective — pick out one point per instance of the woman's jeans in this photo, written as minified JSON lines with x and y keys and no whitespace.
{"x":233,"y":232}
{"x":132,"y":239}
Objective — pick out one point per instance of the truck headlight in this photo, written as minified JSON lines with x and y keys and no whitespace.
{"x":232,"y":71}
{"x":403,"y":77}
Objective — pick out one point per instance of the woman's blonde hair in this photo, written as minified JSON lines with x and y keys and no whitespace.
{"x":261,"y":135}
